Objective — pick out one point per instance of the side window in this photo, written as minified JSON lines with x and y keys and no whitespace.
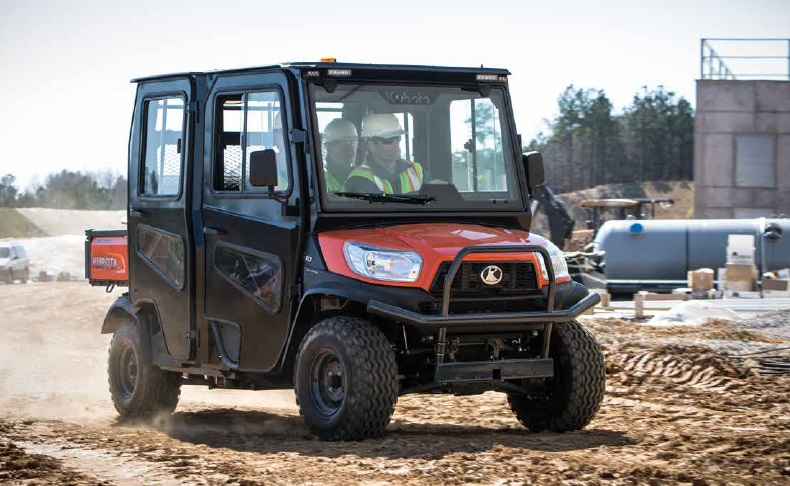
{"x":164,"y":138}
{"x":248,"y":122}
{"x":476,"y":140}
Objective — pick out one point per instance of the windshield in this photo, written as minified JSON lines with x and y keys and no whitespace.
{"x":5,"y":252}
{"x":446,"y":148}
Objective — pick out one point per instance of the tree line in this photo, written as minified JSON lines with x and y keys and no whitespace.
{"x":67,"y":190}
{"x":587,"y":145}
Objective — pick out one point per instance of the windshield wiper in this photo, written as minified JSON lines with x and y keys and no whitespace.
{"x":400,"y":198}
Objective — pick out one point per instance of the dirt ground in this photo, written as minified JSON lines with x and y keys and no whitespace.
{"x":676,"y":411}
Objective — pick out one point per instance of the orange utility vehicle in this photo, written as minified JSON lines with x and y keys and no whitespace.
{"x":250,"y":266}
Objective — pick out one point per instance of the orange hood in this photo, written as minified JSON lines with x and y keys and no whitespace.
{"x":435,"y":243}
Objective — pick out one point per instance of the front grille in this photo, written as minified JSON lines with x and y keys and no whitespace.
{"x":485,"y":306}
{"x":517,"y":277}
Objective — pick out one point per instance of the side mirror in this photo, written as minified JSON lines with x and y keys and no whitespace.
{"x":533,"y":166}
{"x":263,"y":169}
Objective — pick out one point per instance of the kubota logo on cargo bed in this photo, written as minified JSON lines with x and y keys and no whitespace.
{"x":104,"y":262}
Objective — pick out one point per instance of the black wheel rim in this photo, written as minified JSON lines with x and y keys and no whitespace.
{"x":127,"y":371}
{"x":327,"y":382}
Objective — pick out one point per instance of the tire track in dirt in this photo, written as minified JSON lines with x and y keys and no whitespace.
{"x":666,"y":419}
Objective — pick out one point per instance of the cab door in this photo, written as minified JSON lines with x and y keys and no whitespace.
{"x":160,"y":242}
{"x":251,"y":237}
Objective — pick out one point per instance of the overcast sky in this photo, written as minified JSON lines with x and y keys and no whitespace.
{"x":65,"y":65}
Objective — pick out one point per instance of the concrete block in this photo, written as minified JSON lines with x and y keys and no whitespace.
{"x":718,"y":197}
{"x":764,"y":198}
{"x":772,"y":123}
{"x":772,"y":95}
{"x":783,"y":162}
{"x":725,"y":96}
{"x":718,"y":160}
{"x":726,"y":122}
{"x":699,"y":157}
{"x":782,"y":200}
{"x":715,"y":213}
{"x":743,"y":197}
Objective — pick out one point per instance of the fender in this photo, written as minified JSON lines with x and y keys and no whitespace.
{"x":151,"y":333}
{"x":117,"y":313}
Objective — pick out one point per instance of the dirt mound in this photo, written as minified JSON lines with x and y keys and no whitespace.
{"x":14,"y":225}
{"x":56,"y":222}
{"x":682,"y":192}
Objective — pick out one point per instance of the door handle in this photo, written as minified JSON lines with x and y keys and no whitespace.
{"x":214,"y":231}
{"x":137,"y":213}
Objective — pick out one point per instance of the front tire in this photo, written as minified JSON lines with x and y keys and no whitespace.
{"x":138,"y":388}
{"x":346,"y":379}
{"x":570,"y":400}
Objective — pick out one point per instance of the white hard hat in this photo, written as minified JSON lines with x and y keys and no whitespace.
{"x":340,"y":129}
{"x":383,"y":125}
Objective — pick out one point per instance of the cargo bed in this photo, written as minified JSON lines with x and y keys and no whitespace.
{"x":107,"y":257}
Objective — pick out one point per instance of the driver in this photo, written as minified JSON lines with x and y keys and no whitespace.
{"x":384,"y":170}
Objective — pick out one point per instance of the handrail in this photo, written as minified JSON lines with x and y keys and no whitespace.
{"x":713,"y":66}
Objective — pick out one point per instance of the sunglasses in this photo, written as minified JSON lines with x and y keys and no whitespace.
{"x":385,"y":141}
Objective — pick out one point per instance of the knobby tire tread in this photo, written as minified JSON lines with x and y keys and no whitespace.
{"x":371,"y":403}
{"x":577,"y":396}
{"x":160,"y":394}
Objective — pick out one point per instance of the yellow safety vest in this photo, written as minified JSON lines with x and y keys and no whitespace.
{"x":410,"y":178}
{"x":332,"y":184}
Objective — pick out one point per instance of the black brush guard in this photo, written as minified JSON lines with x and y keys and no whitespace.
{"x":495,"y":370}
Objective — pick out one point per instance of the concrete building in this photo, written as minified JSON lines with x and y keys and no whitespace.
{"x":741,"y":144}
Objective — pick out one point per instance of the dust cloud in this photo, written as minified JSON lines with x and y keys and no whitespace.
{"x":53,"y":361}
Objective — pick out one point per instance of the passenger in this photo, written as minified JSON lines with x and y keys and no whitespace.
{"x":384,"y":170}
{"x":340,"y":141}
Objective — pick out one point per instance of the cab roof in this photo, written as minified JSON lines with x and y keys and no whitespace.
{"x":422,"y":69}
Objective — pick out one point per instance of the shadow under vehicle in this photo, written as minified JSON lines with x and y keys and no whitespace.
{"x":247,"y":270}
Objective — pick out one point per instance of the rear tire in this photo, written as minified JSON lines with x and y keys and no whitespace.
{"x":346,"y":379}
{"x":138,"y":388}
{"x":570,"y":400}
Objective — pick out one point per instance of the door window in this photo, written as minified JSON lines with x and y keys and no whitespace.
{"x":248,"y":122}
{"x":258,"y":274}
{"x":164,"y":252}
{"x":476,"y":138}
{"x":164,"y":139}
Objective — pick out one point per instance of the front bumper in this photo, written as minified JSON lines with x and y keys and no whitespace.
{"x":494,"y":321}
{"x":495,"y":373}
{"x":499,"y":322}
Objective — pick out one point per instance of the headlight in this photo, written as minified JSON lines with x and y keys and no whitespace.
{"x":381,"y":263}
{"x":557,"y":261}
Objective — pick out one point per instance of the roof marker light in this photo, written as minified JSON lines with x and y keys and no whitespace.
{"x":636,"y":228}
{"x":328,"y":59}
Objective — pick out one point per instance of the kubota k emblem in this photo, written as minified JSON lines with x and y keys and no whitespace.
{"x":491,"y":275}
